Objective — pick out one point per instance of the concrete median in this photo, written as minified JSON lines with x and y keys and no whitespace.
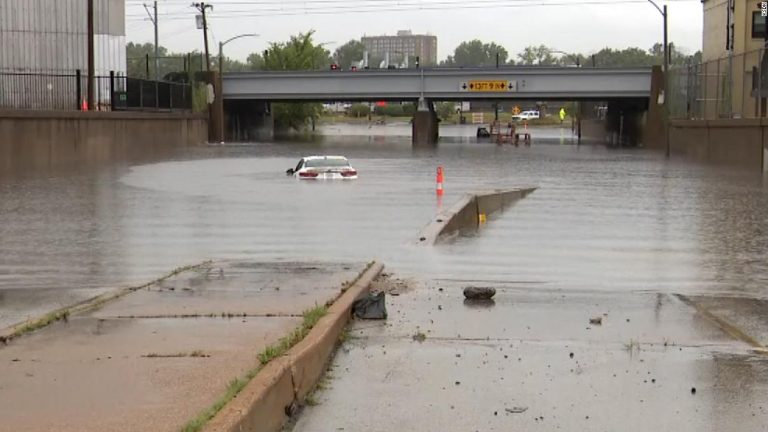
{"x":468,"y":212}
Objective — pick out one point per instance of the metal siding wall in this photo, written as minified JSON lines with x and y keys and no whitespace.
{"x":50,"y":36}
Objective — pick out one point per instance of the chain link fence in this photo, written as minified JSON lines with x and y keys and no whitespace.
{"x":730,"y":87}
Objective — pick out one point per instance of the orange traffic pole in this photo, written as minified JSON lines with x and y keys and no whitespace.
{"x":439,"y":189}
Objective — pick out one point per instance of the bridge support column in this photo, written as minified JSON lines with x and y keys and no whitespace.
{"x":624,"y":122}
{"x":655,"y":131}
{"x":425,"y":129}
{"x":248,"y":120}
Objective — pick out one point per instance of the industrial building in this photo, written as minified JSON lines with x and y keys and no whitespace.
{"x":51,"y":36}
{"x":733,"y":80}
{"x":404,"y":45}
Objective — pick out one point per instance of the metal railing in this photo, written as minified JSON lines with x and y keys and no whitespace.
{"x":33,"y":91}
{"x":730,"y":87}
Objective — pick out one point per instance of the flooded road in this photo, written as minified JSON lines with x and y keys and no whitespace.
{"x":602,"y":219}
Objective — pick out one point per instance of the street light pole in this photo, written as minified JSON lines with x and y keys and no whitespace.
{"x":665,"y":100}
{"x":221,"y":77}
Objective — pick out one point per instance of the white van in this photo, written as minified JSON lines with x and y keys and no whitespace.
{"x":526,"y":115}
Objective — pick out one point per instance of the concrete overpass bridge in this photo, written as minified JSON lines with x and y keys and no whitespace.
{"x":252,"y":91}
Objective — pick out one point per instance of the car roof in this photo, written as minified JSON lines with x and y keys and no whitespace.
{"x":323,"y":157}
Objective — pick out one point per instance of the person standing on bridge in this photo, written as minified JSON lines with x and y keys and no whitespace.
{"x":562,"y":114}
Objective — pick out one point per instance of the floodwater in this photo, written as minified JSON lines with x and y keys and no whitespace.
{"x":602,"y":219}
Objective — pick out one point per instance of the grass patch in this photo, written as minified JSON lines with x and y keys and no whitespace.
{"x":310,"y":318}
{"x":44,"y":321}
{"x":195,"y":354}
{"x":235,"y":386}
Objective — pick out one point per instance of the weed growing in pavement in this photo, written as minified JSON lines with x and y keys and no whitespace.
{"x":235,"y":386}
{"x":633,"y":346}
{"x":196,"y":353}
{"x":310,"y":318}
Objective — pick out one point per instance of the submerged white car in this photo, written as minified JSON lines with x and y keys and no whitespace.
{"x":323,"y":168}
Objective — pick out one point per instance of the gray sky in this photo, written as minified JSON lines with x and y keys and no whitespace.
{"x":568,"y":25}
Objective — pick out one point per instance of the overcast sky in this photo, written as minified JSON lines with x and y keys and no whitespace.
{"x":569,"y":25}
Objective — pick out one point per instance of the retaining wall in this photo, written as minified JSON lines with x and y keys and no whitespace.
{"x":738,"y":142}
{"x":50,"y":139}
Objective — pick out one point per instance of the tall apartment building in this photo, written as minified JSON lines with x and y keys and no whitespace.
{"x":51,"y":36}
{"x":405,"y":43}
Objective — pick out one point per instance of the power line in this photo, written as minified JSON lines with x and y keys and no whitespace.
{"x":408,"y":5}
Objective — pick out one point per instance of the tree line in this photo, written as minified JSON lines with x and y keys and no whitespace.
{"x":301,"y":53}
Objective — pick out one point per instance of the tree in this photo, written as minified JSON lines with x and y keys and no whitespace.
{"x":537,"y":56}
{"x":359,"y":110}
{"x":628,"y":57}
{"x":476,"y":53}
{"x":445,"y":109}
{"x":232,"y":65}
{"x":349,"y":53}
{"x":141,"y":61}
{"x":255,"y":61}
{"x":299,"y":53}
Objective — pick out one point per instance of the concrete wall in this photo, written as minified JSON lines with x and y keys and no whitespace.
{"x":465,"y":214}
{"x":738,"y":142}
{"x":32,"y":140}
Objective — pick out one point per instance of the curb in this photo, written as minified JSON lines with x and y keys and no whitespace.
{"x":265,"y":402}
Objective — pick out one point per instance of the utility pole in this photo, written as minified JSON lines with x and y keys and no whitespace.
{"x":666,"y":82}
{"x":91,"y":61}
{"x":157,"y":53}
{"x":153,"y":18}
{"x":202,"y":8}
{"x":496,"y":104}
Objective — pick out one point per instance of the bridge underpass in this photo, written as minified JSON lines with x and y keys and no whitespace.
{"x":248,"y":95}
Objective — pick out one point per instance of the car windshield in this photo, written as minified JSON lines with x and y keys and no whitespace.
{"x":327,"y":163}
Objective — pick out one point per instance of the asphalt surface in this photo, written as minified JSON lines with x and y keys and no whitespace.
{"x":531,"y":360}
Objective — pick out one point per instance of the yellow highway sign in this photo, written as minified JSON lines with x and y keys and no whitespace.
{"x":489,"y":86}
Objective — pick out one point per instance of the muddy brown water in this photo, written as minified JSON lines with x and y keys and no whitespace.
{"x":602,"y":219}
